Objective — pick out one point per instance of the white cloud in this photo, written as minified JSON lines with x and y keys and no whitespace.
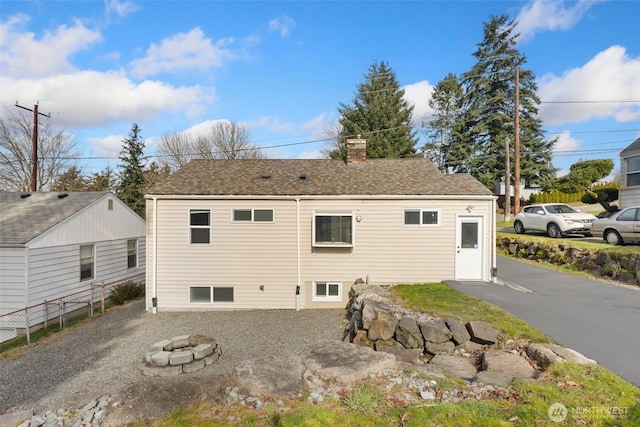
{"x":272,"y":124}
{"x":183,"y":51}
{"x":24,"y":55}
{"x":594,"y":90}
{"x":419,"y":94}
{"x":321,"y":126}
{"x":203,"y":128}
{"x":566,"y":144}
{"x":283,"y":24}
{"x":540,"y":15}
{"x":121,"y":9}
{"x":108,"y":146}
{"x":316,"y":154}
{"x":91,"y":98}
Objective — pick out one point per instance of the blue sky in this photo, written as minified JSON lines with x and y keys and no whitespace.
{"x":282,"y":68}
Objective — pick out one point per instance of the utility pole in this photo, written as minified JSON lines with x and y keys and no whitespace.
{"x":34,"y":144}
{"x":507,"y":185}
{"x":516,"y":145}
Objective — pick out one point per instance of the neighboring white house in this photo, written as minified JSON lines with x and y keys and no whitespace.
{"x":55,"y":244}
{"x":264,"y":234}
{"x":630,"y":175}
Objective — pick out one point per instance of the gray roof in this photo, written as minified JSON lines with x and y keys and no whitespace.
{"x":24,"y":218}
{"x":634,"y":148}
{"x":303,"y":177}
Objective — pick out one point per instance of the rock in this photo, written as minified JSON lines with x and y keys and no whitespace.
{"x":457,"y":366}
{"x":162,"y":371}
{"x":507,"y":363}
{"x":481,"y":332}
{"x":459,"y":331}
{"x":402,"y":354}
{"x":566,"y":354}
{"x":196,"y":340}
{"x":439,"y":348}
{"x":427,"y":395}
{"x":270,"y":375}
{"x":435,"y":331}
{"x":372,"y":310}
{"x":408,"y":333}
{"x":542,"y":355}
{"x":471,"y":347}
{"x":193,"y":366}
{"x":355,"y":325}
{"x":382,"y":329}
{"x":496,"y":378}
{"x":15,"y":418}
{"x":345,"y":362}
{"x":362,"y":339}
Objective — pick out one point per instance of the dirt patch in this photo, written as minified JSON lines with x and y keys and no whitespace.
{"x":153,"y":397}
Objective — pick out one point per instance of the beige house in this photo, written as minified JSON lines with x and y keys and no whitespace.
{"x":294,"y":234}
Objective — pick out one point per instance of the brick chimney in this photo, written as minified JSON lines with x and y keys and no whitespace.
{"x":356,"y":150}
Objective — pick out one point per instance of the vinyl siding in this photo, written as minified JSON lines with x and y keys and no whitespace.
{"x":247,"y":255}
{"x":12,"y":278}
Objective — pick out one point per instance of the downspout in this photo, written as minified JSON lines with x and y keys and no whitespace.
{"x":154,"y":269}
{"x":298,"y":267}
{"x":494,"y":266}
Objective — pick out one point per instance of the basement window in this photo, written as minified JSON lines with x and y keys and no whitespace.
{"x":210,"y":294}
{"x":327,"y":291}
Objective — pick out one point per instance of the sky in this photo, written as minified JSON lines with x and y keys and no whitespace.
{"x":283,"y":68}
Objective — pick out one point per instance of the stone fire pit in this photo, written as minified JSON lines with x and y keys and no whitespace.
{"x":181,"y":354}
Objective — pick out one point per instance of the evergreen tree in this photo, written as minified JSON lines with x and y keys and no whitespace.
{"x":444,"y":146}
{"x":489,"y":111}
{"x":380,"y":115}
{"x":102,"y":181}
{"x":71,"y":180}
{"x":130,"y":188}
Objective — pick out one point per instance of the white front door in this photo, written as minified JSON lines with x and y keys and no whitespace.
{"x":469,"y":247}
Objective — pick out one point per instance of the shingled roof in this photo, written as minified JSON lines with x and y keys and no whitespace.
{"x":317,"y":177}
{"x":24,"y":216}
{"x":634,"y":148}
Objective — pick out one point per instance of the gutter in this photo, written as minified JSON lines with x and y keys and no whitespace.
{"x":298,"y":266}
{"x":154,"y":269}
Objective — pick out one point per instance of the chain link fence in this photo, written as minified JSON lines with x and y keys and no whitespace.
{"x":60,"y":312}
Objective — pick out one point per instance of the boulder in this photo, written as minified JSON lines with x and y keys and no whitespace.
{"x":435,"y":331}
{"x":361,"y":339}
{"x":496,"y":378}
{"x":345,"y":362}
{"x":372,"y":310}
{"x":507,"y":363}
{"x":439,"y":347}
{"x":270,"y":375}
{"x":481,"y":332}
{"x":459,"y":331}
{"x":382,"y":329}
{"x":457,"y":366}
{"x":408,"y":333}
{"x":545,"y":354}
{"x":406,"y":355}
{"x":471,"y":347}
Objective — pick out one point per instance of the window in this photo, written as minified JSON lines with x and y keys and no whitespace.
{"x":87,"y":262}
{"x":132,"y":253}
{"x":633,"y":171}
{"x":253,"y":215}
{"x":421,"y":217}
{"x":333,"y":230}
{"x":327,"y":291}
{"x":210,"y":294}
{"x":628,"y":215}
{"x":199,"y":226}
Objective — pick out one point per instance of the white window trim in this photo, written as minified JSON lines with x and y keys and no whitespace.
{"x":137,"y":254}
{"x":333,"y":245}
{"x":210,"y":227}
{"x":421,"y":210}
{"x":253,"y":215}
{"x":628,"y":172}
{"x":211,"y":301}
{"x":328,"y":298}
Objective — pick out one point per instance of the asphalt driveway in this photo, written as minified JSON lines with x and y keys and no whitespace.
{"x":597,"y":319}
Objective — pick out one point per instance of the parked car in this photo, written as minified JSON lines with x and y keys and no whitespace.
{"x":556,"y":219}
{"x":619,"y":228}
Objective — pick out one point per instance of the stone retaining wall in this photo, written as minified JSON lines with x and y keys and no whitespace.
{"x":467,"y":350}
{"x":181,"y":354}
{"x":623,"y":267}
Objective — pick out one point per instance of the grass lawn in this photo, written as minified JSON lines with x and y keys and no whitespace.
{"x":589,"y":393}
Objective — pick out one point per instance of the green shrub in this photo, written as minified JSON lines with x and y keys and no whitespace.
{"x":126,"y":291}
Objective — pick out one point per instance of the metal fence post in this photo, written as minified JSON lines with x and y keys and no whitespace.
{"x":46,"y":314}
{"x":91,"y":302}
{"x":64,"y":313}
{"x":26,"y":318}
{"x":60,"y":313}
{"x":102,"y":297}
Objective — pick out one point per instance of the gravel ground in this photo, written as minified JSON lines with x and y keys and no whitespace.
{"x":102,"y":356}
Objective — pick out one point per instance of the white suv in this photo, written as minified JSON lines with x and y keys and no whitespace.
{"x":555,"y":219}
